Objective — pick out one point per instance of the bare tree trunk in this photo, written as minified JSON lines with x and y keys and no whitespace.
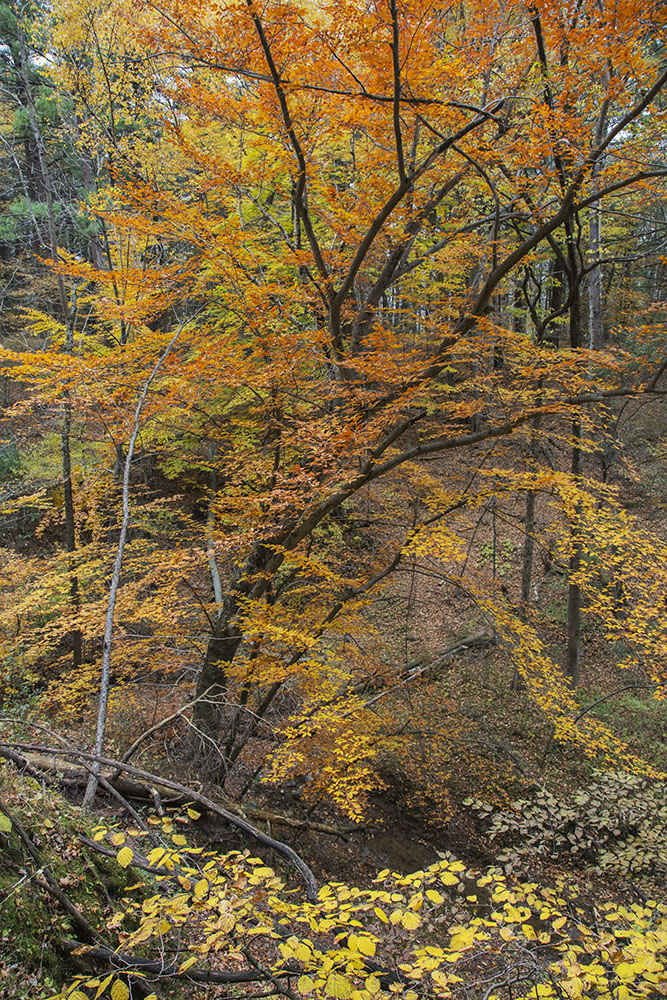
{"x":595,"y":310}
{"x":210,"y":528}
{"x":105,"y":679}
{"x":529,"y":540}
{"x":70,"y":528}
{"x":595,"y":314}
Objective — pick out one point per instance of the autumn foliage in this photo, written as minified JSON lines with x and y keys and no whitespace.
{"x":321,"y":231}
{"x":358,"y":296}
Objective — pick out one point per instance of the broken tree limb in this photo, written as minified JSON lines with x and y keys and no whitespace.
{"x":419,"y":668}
{"x":266,"y":816}
{"x":41,"y":767}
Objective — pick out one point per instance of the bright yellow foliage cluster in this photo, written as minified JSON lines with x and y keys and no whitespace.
{"x":426,"y":931}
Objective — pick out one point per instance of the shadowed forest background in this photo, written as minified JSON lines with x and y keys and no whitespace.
{"x":332,"y":499}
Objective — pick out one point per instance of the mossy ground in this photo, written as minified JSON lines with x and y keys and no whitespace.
{"x":33,"y":961}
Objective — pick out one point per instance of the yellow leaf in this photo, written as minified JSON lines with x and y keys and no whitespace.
{"x":193,"y":814}
{"x":201,"y":889}
{"x":338,"y":987}
{"x":179,"y":840}
{"x":625,"y":971}
{"x":187,"y":963}
{"x":305,"y":984}
{"x":117,"y":839}
{"x":373,"y":985}
{"x":434,"y":896}
{"x":124,"y":858}
{"x":103,"y":985}
{"x":410,"y":920}
{"x":302,"y":952}
{"x":119,"y":991}
{"x":463,"y":939}
{"x":380,"y":914}
{"x":366,"y":946}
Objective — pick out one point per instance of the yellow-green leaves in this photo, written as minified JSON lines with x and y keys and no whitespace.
{"x":336,"y":945}
{"x":362,"y":943}
{"x":201,"y":889}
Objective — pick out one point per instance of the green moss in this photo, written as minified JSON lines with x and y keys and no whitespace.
{"x":33,"y":924}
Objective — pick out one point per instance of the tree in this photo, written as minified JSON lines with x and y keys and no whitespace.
{"x":346,"y":203}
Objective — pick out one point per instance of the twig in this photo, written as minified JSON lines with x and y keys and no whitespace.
{"x":267,"y":974}
{"x":628,"y":687}
{"x":159,"y":725}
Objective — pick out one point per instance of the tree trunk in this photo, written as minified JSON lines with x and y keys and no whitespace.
{"x":595,"y":314}
{"x":105,"y":678}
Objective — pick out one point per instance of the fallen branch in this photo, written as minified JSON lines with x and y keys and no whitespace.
{"x":123,"y":962}
{"x":418,"y":668}
{"x":302,"y":824}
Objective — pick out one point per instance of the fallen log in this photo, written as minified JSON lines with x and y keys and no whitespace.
{"x":72,"y":775}
{"x":16,"y":752}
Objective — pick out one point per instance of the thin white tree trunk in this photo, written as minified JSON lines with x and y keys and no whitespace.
{"x":102,"y":710}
